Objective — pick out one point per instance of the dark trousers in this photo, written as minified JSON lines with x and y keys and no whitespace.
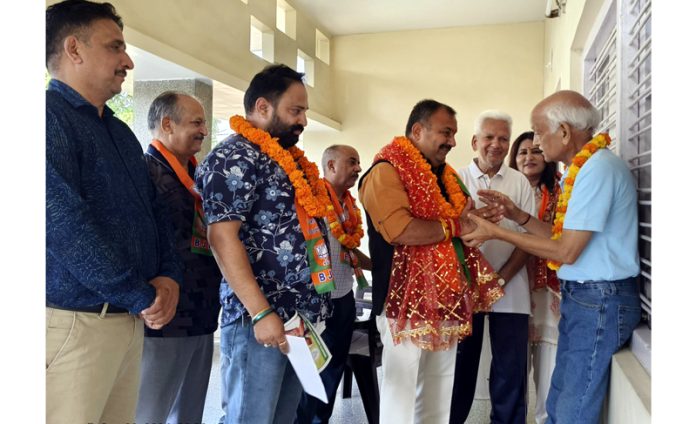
{"x":337,"y":336}
{"x":508,"y":378}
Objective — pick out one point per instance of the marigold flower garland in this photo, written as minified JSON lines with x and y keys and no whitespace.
{"x":600,"y":141}
{"x":457,"y":198}
{"x":309,"y":188}
{"x":349,"y":232}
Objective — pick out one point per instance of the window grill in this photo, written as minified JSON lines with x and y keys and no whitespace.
{"x":602,"y":92}
{"x":618,"y":82}
{"x":638,"y":134}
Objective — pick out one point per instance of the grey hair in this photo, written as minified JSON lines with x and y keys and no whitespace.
{"x":166,"y":104}
{"x":580,"y":117}
{"x":329,"y":154}
{"x":495,"y":115}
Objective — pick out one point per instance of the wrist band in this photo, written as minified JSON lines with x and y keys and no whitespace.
{"x":456,"y":227}
{"x":529,"y":216}
{"x":260,"y":315}
{"x":445,"y":229}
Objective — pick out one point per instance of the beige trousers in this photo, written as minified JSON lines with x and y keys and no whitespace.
{"x":92,"y":367}
{"x":417,"y":384}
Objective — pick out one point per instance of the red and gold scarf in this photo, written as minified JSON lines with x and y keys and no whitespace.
{"x":430,"y":300}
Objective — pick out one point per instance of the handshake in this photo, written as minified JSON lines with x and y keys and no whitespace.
{"x":480,"y":224}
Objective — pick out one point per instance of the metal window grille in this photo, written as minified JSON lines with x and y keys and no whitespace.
{"x":618,"y":82}
{"x":637,"y":125}
{"x":602,"y":79}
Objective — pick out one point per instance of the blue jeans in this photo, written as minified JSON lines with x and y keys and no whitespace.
{"x":259,"y":386}
{"x":597,"y":318}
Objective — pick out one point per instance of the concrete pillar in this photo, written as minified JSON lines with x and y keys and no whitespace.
{"x":144,"y":92}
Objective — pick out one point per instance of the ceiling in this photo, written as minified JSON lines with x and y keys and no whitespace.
{"x":344,"y":17}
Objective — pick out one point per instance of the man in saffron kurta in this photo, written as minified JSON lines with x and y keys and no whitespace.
{"x":594,"y":240}
{"x":422,"y":299}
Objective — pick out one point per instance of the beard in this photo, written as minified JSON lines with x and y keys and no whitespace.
{"x":285,"y":133}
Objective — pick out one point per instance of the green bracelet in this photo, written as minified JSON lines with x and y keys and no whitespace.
{"x":258,"y":317}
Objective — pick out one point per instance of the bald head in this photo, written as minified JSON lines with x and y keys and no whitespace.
{"x":341,"y":165}
{"x":570,"y":107}
{"x":562,"y":123}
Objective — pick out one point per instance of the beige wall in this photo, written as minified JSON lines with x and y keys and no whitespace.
{"x":211,"y":37}
{"x":379,"y":77}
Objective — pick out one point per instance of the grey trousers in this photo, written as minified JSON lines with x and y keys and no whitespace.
{"x":174,"y":378}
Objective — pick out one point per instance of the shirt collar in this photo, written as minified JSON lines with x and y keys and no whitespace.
{"x":74,"y":98}
{"x":476,"y":172}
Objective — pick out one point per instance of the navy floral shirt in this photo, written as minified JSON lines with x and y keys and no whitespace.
{"x":239,"y":182}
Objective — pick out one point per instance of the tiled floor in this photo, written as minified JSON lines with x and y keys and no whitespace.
{"x":346,"y":411}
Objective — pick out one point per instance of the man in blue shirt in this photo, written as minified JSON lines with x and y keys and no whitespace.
{"x":254,"y":212}
{"x":110,"y":258}
{"x":595,"y":243}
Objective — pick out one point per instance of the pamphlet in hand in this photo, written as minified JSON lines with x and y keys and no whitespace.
{"x":300,"y":326}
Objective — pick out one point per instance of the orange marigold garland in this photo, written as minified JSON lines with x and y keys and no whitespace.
{"x":309,"y":188}
{"x":349,"y":232}
{"x":600,"y":141}
{"x":430,"y":300}
{"x":457,"y":198}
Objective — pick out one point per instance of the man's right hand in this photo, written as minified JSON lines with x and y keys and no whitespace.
{"x":270,"y":330}
{"x":163,"y":308}
{"x":508,"y":208}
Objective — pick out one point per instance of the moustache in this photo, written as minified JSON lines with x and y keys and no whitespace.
{"x":121,"y":73}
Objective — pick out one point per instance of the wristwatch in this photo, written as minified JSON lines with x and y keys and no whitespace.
{"x":501,"y":281}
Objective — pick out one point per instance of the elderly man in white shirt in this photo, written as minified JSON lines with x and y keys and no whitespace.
{"x":509,"y":319}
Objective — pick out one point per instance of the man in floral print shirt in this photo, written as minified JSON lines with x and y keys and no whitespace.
{"x":256,"y":237}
